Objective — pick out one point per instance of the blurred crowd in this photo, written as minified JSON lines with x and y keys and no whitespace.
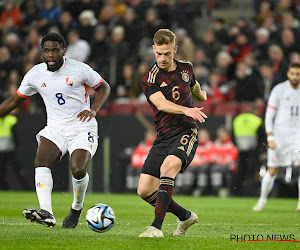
{"x":237,"y":60}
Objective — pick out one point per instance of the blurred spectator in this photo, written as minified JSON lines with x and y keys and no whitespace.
{"x":11,"y":11}
{"x":66,"y":23}
{"x":165,"y":12}
{"x":77,"y":6}
{"x":152,"y":23}
{"x":185,"y":12}
{"x":118,"y":55}
{"x":135,"y":91}
{"x":133,"y":31}
{"x":248,"y":132}
{"x":77,"y":49}
{"x":185,"y":44}
{"x":268,"y":79}
{"x":50,"y":11}
{"x":6,"y":65}
{"x":201,"y":74}
{"x":118,"y":6}
{"x":282,"y":7}
{"x":262,"y":44}
{"x":99,"y":58}
{"x":87,"y":23}
{"x":126,"y":82}
{"x":264,"y":12}
{"x":288,"y":42}
{"x":200,"y":58}
{"x":15,"y":47}
{"x":269,"y":24}
{"x":239,"y":48}
{"x":224,"y":159}
{"x":225,"y":65}
{"x":109,"y":18}
{"x":140,"y":7}
{"x":30,"y":12}
{"x":248,"y":86}
{"x":243,"y":25}
{"x":210,"y":45}
{"x":220,"y":31}
{"x":294,"y":58}
{"x":138,"y":158}
{"x":279,"y":63}
{"x":290,"y":22}
{"x":218,"y":91}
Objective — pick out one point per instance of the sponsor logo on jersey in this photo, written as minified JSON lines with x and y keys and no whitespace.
{"x":163,"y":85}
{"x":69,"y":81}
{"x":43,"y":85}
{"x":181,"y":148}
{"x":185,"y":76}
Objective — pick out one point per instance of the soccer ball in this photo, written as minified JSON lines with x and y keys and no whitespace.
{"x":100,"y":218}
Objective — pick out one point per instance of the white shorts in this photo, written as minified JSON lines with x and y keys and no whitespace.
{"x":67,"y":139}
{"x":286,"y":153}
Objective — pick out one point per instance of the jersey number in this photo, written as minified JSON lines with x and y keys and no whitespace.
{"x":175,"y":93}
{"x":294,"y":110}
{"x":60,"y":99}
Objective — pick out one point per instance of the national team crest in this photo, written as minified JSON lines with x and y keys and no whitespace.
{"x":185,"y":76}
{"x":69,"y":81}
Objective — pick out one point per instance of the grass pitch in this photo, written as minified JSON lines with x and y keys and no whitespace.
{"x":219,"y":221}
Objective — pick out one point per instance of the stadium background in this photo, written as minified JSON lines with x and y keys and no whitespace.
{"x":118,"y":46}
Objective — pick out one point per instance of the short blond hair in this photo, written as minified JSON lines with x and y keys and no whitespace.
{"x":164,"y":36}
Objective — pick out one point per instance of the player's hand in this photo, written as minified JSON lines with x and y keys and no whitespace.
{"x":196,"y":114}
{"x":272,"y":145}
{"x":86,"y":115}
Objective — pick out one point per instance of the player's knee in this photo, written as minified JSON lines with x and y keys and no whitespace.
{"x":273,"y":171}
{"x":78,"y":171}
{"x":142,"y":192}
{"x":38,"y":162}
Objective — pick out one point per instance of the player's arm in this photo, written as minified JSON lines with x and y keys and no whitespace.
{"x":269,"y":124}
{"x":162,"y":104}
{"x":102,"y":93}
{"x":199,"y":94}
{"x":10,"y":104}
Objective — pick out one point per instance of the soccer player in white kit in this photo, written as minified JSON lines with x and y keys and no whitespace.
{"x":282,"y":124}
{"x":71,"y":124}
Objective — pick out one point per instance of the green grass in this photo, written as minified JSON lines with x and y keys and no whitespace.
{"x":218,"y":219}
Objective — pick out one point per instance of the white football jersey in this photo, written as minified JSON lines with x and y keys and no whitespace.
{"x":283,"y":110}
{"x":65,"y":91}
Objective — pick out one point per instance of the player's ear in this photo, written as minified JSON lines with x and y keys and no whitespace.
{"x":64,"y":51}
{"x":175,"y":49}
{"x":153,"y":47}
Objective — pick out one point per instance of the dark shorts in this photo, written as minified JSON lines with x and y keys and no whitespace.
{"x":183,"y":145}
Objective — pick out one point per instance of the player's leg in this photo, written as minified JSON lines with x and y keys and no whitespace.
{"x":266,"y":187}
{"x":80,"y":179}
{"x":47,"y":154}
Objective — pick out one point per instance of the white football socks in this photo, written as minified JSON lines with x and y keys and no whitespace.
{"x":266,"y":186}
{"x":44,"y":186}
{"x":79,"y":190}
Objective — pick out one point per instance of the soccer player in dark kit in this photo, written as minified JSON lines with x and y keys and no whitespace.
{"x":169,"y":86}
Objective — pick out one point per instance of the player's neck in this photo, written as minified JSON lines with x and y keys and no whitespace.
{"x":172,"y":67}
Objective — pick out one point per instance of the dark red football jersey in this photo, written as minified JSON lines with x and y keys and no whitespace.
{"x":176,"y":87}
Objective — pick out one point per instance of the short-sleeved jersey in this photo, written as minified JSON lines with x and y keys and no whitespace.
{"x":65,"y":91}
{"x":285,"y":100}
{"x":176,"y":87}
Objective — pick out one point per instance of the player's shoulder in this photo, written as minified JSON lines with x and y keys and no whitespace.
{"x":76,"y":65}
{"x":150,"y":74}
{"x":184,"y":63}
{"x":36,"y":69}
{"x":279,"y":88}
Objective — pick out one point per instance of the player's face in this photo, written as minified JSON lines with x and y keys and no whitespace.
{"x":164,"y":55}
{"x":294,"y":76}
{"x":53,"y":55}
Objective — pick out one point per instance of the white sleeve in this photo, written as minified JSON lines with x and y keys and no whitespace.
{"x":272,"y":107}
{"x":94,"y":80}
{"x":26,"y":88}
